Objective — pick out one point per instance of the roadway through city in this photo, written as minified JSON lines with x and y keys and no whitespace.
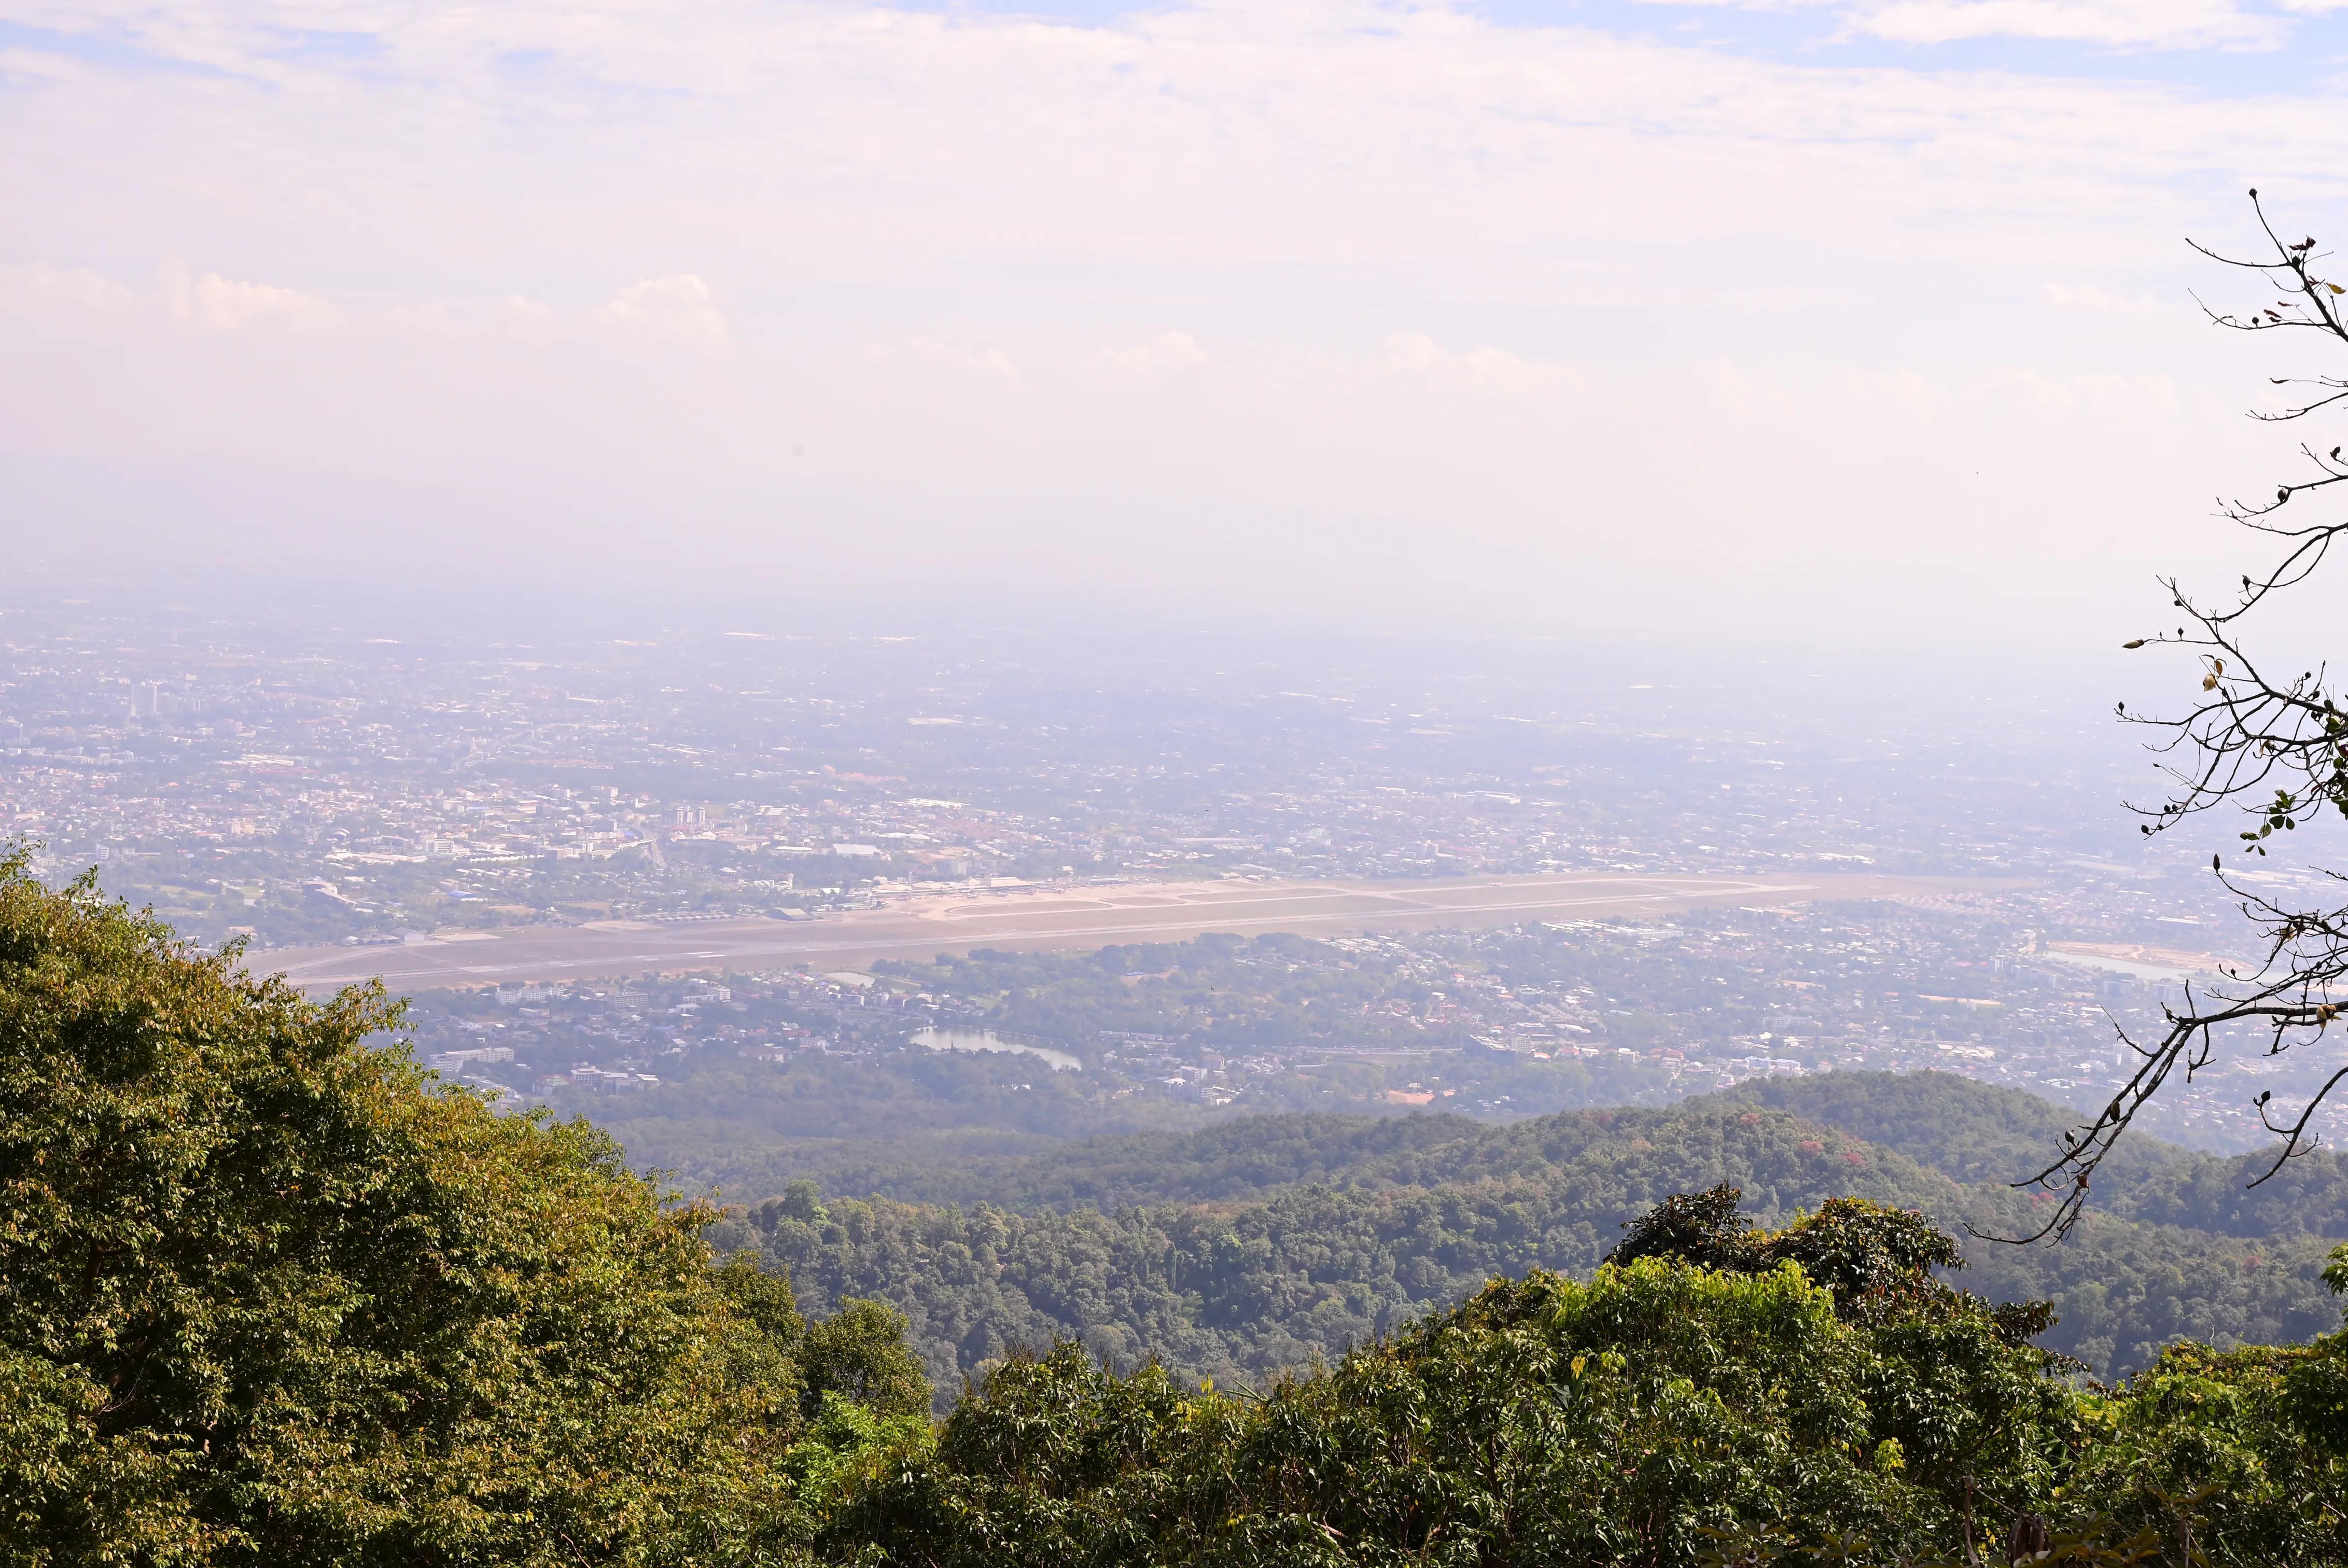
{"x":1041,"y":918}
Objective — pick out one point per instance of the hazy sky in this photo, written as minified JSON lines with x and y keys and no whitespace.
{"x":1728,"y":320}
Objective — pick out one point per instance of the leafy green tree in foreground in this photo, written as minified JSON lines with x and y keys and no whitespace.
{"x":1714,"y":1394}
{"x":270,"y":1295}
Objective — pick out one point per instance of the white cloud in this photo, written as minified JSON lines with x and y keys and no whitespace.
{"x":1167,"y":353}
{"x":214,"y":303}
{"x":678,"y":309}
{"x":77,"y":288}
{"x":1623,"y":323}
{"x":2111,"y":23}
{"x":40,"y":67}
{"x":1482,"y":372}
{"x":2118,"y":23}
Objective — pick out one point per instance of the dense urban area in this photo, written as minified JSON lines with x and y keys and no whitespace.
{"x":306,"y":786}
{"x":1494,"y":1023}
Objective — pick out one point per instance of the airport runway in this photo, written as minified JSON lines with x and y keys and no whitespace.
{"x":1047,"y":918}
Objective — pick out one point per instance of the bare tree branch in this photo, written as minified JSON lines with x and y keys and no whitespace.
{"x":2269,"y":743}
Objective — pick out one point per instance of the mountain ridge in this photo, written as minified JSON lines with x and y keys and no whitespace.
{"x":1266,"y":1244}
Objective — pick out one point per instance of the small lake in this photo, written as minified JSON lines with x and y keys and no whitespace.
{"x":988,"y":1040}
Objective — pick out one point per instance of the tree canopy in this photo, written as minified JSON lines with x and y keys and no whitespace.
{"x":1270,"y":1243}
{"x":270,"y":1294}
{"x":1717,"y":1394}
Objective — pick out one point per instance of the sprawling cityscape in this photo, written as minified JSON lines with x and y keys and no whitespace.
{"x":306,"y":788}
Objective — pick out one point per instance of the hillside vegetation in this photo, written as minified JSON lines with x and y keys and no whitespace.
{"x":1977,"y":1133}
{"x":271,"y":1295}
{"x":1273,"y":1243}
{"x":1715,"y":1395}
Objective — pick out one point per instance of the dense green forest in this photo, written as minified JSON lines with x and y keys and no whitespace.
{"x":1273,"y":1243}
{"x":1717,"y":1394}
{"x":1970,"y":1132}
{"x":270,"y":1293}
{"x":748,"y":1128}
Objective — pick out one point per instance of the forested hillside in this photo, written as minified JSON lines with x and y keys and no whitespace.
{"x":271,"y":1295}
{"x":1978,"y":1133}
{"x":1716,"y":1395}
{"x":1272,"y":1242}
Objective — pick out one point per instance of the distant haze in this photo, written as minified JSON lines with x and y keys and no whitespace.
{"x":1677,"y":322}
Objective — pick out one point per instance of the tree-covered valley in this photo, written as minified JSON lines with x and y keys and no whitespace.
{"x":1270,"y":1243}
